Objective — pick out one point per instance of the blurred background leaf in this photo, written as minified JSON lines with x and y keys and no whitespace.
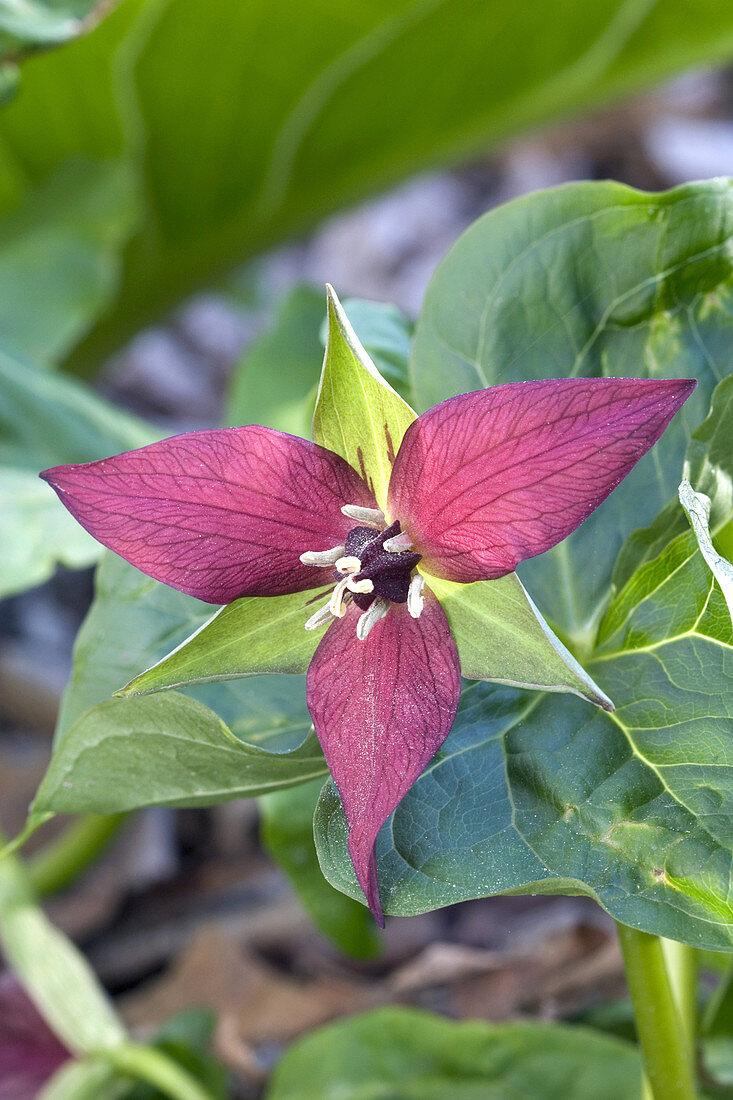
{"x":355,"y":100}
{"x":48,"y":419}
{"x":399,"y":1052}
{"x":60,"y":256}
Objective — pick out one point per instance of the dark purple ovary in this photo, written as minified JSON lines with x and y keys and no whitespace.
{"x":389,"y":572}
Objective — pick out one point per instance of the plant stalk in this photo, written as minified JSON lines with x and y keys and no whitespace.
{"x":66,"y":857}
{"x":681,"y":965}
{"x":666,"y":1050}
{"x":157,"y":1069}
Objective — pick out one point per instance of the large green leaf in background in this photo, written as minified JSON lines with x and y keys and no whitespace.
{"x":533,"y":793}
{"x":60,"y":256}
{"x":588,"y":279}
{"x":401,"y":1053}
{"x":271,"y":117}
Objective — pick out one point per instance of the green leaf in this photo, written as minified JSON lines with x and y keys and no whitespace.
{"x":60,"y":256}
{"x":334,"y":106}
{"x":276,"y":381}
{"x":358,"y":414}
{"x":46,"y":419}
{"x":253,"y":635}
{"x":55,"y":975}
{"x":163,"y":750}
{"x":588,"y":279}
{"x":538,"y":794}
{"x":134,"y":621}
{"x":401,"y":1052}
{"x":501,"y":636}
{"x":697,"y":510}
{"x":287,"y":834}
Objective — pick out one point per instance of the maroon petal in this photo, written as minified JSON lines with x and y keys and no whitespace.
{"x":29,"y":1051}
{"x":382,"y":708}
{"x":487,"y":479}
{"x":217,"y":514}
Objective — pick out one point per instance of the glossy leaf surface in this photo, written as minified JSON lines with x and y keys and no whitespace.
{"x":541,"y":794}
{"x":538,"y":793}
{"x":400,"y":1052}
{"x":588,"y":280}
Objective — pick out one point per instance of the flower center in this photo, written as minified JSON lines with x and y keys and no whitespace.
{"x":374,"y":568}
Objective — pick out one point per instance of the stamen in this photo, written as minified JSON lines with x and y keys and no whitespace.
{"x":339,"y":599}
{"x":364,"y":585}
{"x":322,"y":615}
{"x":322,"y":558}
{"x":372,"y":517}
{"x":371,"y":617}
{"x":398,"y":543}
{"x":348,"y":564}
{"x":415,"y":600}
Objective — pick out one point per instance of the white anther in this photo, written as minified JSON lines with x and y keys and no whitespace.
{"x":370,"y":517}
{"x":369,"y":619}
{"x":348,"y":564}
{"x":398,"y":543}
{"x":322,"y":558}
{"x":364,"y":585}
{"x":415,"y":601}
{"x":322,"y":615}
{"x":339,"y":598}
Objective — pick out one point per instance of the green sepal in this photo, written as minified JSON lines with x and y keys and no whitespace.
{"x":252,"y":636}
{"x":358,"y":414}
{"x":502,"y":637}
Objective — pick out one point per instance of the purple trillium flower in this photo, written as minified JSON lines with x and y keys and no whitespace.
{"x":479,"y":483}
{"x":30,"y":1053}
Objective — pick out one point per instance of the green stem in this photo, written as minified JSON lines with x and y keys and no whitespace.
{"x":31,"y":826}
{"x":156,"y":1069}
{"x":665,"y":1049}
{"x":681,"y":965}
{"x":64,"y":858}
